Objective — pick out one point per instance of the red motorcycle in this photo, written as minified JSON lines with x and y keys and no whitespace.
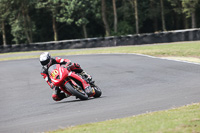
{"x":71,"y":83}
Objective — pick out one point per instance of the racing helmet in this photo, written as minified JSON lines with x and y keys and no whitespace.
{"x":45,"y":59}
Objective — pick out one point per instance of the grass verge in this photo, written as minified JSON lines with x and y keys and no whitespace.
{"x":184,"y":119}
{"x":183,"y":51}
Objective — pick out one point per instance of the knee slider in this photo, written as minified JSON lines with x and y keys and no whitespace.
{"x":55,"y":97}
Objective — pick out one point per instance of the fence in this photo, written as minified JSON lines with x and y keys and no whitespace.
{"x":139,"y":39}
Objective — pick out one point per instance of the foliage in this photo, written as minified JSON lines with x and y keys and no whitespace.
{"x":4,"y":9}
{"x":77,"y":11}
{"x":189,"y":6}
{"x":22,"y":27}
{"x":30,"y":21}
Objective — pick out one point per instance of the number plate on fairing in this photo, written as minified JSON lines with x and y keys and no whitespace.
{"x":54,"y":73}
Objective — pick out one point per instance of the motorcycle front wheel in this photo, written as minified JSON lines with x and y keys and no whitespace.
{"x":79,"y":93}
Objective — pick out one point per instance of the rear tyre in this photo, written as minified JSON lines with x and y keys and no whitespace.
{"x":97,"y":92}
{"x":79,"y":93}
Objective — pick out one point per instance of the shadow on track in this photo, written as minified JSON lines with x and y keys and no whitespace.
{"x":78,"y":100}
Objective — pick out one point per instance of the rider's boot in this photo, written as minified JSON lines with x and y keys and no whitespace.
{"x":66,"y":95}
{"x":58,"y":94}
{"x":63,"y":95}
{"x":87,"y":76}
{"x":90,"y":91}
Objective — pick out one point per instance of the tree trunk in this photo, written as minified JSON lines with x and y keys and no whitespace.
{"x":103,"y":10}
{"x":26,"y":27}
{"x":115,"y":16}
{"x":177,"y":21}
{"x":4,"y":33}
{"x":193,"y":19}
{"x":155,"y":22}
{"x":29,"y":27}
{"x":186,"y":25}
{"x":136,"y":16}
{"x":85,"y":31}
{"x":55,"y":28}
{"x":162,"y":15}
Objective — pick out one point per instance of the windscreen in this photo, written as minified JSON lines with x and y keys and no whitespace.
{"x":51,"y":68}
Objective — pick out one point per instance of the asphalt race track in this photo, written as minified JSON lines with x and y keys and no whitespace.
{"x":131,"y":85}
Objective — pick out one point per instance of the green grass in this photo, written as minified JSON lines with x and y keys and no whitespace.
{"x":180,"y":120}
{"x":189,"y":49}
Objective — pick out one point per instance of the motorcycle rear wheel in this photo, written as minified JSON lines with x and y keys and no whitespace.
{"x":78,"y":93}
{"x":97,"y":91}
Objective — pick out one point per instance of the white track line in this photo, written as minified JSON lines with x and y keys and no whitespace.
{"x":162,"y":58}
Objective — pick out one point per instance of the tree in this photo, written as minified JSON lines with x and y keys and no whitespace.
{"x":162,"y":15}
{"x":52,"y":7}
{"x":153,"y":13}
{"x":28,"y":21}
{"x":5,"y":12}
{"x":78,"y":12}
{"x":136,"y":16}
{"x":125,"y":18}
{"x":21,"y":25}
{"x":104,"y":17}
{"x":134,"y":4}
{"x":115,"y":15}
{"x":189,"y":8}
{"x":178,"y":10}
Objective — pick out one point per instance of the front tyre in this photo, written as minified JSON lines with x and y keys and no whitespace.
{"x":76,"y":92}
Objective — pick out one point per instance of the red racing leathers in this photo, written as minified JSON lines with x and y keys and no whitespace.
{"x":57,"y":95}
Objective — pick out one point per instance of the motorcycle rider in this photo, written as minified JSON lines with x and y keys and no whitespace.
{"x":46,"y":61}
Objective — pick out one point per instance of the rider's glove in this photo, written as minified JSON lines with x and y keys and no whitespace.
{"x":68,"y":66}
{"x":52,"y":85}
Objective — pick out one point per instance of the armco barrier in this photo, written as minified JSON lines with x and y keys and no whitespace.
{"x":139,"y":39}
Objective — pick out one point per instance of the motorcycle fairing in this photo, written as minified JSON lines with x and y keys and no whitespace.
{"x":75,"y":76}
{"x":57,"y":74}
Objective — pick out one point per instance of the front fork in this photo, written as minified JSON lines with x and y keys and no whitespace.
{"x":63,"y":88}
